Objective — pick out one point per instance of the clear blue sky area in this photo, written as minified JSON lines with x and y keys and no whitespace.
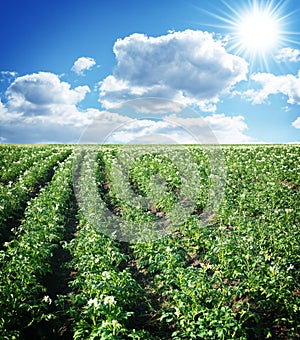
{"x":65,"y":64}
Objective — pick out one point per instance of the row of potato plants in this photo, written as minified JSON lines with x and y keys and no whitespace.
{"x":14,"y":195}
{"x":262,"y":212}
{"x":137,"y":218}
{"x":104,"y":292}
{"x":235,"y":277}
{"x":11,"y":153}
{"x":153,"y":190}
{"x":257,"y":245}
{"x":17,"y":162}
{"x":243,"y":277}
{"x":189,"y":292}
{"x":26,"y":260}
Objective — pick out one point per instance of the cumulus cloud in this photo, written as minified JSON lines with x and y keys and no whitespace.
{"x":3,"y":109}
{"x":146,"y":130}
{"x":135,"y":122}
{"x":83,"y":64}
{"x":112,"y":127}
{"x":103,"y":126}
{"x":6,"y":116}
{"x":89,"y":126}
{"x":270,"y":84}
{"x":40,"y":107}
{"x":288,"y":54}
{"x":229,"y":129}
{"x":296,"y":123}
{"x":189,"y":67}
{"x":43,"y":94}
{"x":217,"y":128}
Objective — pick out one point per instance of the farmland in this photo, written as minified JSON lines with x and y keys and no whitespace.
{"x":87,"y":254}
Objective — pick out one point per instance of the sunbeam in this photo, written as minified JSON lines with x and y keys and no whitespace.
{"x":256,"y":30}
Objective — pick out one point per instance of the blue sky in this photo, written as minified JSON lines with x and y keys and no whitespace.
{"x":65,"y":64}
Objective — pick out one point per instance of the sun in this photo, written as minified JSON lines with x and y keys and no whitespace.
{"x":258,"y":31}
{"x":255,"y":29}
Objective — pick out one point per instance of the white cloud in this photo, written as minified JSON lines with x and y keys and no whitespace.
{"x":8,"y":73}
{"x":43,"y":94}
{"x":289,"y":85}
{"x":152,"y":106}
{"x":136,"y":121}
{"x":83,"y":64}
{"x":189,"y":67}
{"x":139,"y":131}
{"x":103,"y":126}
{"x":217,"y":128}
{"x":41,"y":107}
{"x":6,"y":116}
{"x":3,"y":109}
{"x":288,"y":54}
{"x":59,"y":122}
{"x":296,"y":123}
{"x":229,"y":129}
{"x":164,"y":131}
{"x":7,"y":76}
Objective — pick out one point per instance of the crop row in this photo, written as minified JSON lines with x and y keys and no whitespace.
{"x":104,"y":292}
{"x":13,"y":168}
{"x":192,"y":303}
{"x":13,"y":196}
{"x":12,"y":153}
{"x":238,"y":276}
{"x":233,"y":276}
{"x":27,"y":258}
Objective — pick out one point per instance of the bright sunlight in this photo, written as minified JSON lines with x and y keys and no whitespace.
{"x":255,"y":28}
{"x":258,"y":31}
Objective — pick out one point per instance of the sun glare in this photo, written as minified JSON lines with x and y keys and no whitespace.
{"x":258,"y":32}
{"x":255,"y":28}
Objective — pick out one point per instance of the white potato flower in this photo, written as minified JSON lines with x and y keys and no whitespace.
{"x":109,"y":300}
{"x":93,"y":302}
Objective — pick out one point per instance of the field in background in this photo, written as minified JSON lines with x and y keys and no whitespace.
{"x":234,"y":277}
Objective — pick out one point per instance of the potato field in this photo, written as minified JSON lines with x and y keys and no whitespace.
{"x":107,"y":242}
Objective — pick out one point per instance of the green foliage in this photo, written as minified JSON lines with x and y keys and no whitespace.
{"x":26,"y":259}
{"x":14,"y":195}
{"x":234,"y":277}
